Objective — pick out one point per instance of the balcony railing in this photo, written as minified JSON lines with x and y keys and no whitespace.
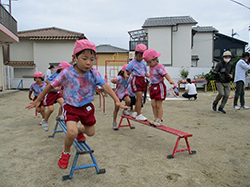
{"x":133,"y":44}
{"x":7,"y":20}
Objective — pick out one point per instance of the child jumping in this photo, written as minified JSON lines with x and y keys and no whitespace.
{"x":37,"y":88}
{"x":54,"y":96}
{"x":138,"y":68}
{"x":79,"y":82}
{"x":121,"y":91}
{"x":157,"y":87}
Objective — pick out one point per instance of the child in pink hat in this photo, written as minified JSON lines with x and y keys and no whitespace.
{"x":122,"y":81}
{"x":79,"y":82}
{"x":138,"y":68}
{"x":158,"y":88}
{"x":54,"y":96}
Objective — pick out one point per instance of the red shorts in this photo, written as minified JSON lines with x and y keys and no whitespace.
{"x":124,"y":97}
{"x":85,"y":114}
{"x":158,"y":91}
{"x":51,"y":98}
{"x":138,"y":84}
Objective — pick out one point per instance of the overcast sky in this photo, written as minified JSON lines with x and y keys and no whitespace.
{"x":108,"y":21}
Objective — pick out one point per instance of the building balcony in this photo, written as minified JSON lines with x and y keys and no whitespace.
{"x":133,"y":44}
{"x":8,"y":27}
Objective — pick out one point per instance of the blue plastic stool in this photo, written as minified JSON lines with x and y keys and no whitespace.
{"x":81,"y":148}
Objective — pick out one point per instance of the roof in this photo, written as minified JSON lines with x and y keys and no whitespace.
{"x":105,"y":48}
{"x":21,"y":64}
{"x":168,"y":21}
{"x":230,"y":38}
{"x":205,"y":29}
{"x":51,"y":33}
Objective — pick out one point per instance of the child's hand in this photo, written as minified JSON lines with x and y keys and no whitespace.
{"x":113,"y":81}
{"x":121,"y":106}
{"x":33,"y":104}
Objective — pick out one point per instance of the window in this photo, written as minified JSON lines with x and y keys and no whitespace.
{"x":217,"y":53}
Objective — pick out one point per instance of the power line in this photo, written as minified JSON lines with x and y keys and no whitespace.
{"x":240,"y":4}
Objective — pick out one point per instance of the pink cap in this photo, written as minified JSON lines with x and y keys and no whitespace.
{"x":141,"y":48}
{"x":124,"y":67}
{"x":83,"y":44}
{"x":38,"y":74}
{"x":150,"y":54}
{"x":175,"y":86}
{"x":63,"y":65}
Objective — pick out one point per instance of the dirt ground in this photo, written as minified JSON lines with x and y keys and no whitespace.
{"x":134,"y":157}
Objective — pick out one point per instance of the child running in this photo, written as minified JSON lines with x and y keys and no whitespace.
{"x":54,"y":96}
{"x":121,"y":91}
{"x":138,"y":68}
{"x":79,"y":82}
{"x":158,"y":88}
{"x":37,"y":88}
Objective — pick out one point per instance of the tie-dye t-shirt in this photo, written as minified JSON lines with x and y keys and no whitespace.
{"x":137,"y":68}
{"x":157,"y":74}
{"x":79,"y":89}
{"x":52,"y":77}
{"x":36,"y":89}
{"x":122,"y":86}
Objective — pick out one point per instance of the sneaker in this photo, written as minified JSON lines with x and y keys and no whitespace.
{"x":141,"y":117}
{"x":41,"y":122}
{"x":64,"y":160}
{"x":236,"y":107}
{"x":244,"y":107}
{"x":157,"y":123}
{"x":125,"y":112}
{"x":45,"y":126}
{"x":221,"y":110}
{"x":80,"y":137}
{"x":134,"y":114}
{"x":59,"y":118}
{"x":115,"y":126}
{"x":214,"y":107}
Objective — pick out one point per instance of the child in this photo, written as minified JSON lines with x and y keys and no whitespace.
{"x":190,"y":90}
{"x":157,"y":88}
{"x":176,"y":92}
{"x":121,"y":91}
{"x":138,"y":68}
{"x":37,"y":88}
{"x":54,"y":96}
{"x":79,"y":82}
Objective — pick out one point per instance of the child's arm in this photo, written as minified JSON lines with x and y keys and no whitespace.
{"x":36,"y":103}
{"x":47,"y":81}
{"x":30,"y":92}
{"x":109,"y":90}
{"x":114,"y":81}
{"x":167,"y":76}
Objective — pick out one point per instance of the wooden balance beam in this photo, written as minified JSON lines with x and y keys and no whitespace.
{"x":179,"y":133}
{"x":81,"y":148}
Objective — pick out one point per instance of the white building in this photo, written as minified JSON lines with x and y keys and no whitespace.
{"x":38,"y":49}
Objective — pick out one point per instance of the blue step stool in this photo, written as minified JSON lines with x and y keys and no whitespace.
{"x":81,"y":148}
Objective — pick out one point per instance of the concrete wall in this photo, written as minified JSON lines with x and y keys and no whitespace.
{"x":203,"y":47}
{"x":159,"y":38}
{"x":182,"y":46}
{"x":22,"y":51}
{"x":46,"y":52}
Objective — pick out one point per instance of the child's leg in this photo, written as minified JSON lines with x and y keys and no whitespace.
{"x":43,"y":111}
{"x":153,"y":104}
{"x":127,"y":100}
{"x":72,"y":131}
{"x":138,"y":102}
{"x":60,"y":101}
{"x":116,"y":109}
{"x":48,"y":113}
{"x":159,"y":109}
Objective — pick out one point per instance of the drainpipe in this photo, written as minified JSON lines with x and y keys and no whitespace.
{"x":172,"y":46}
